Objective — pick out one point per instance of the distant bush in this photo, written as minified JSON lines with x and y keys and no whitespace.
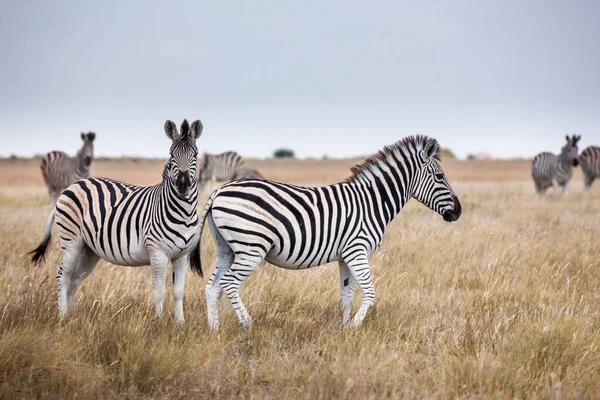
{"x":447,"y":154}
{"x":283,"y":153}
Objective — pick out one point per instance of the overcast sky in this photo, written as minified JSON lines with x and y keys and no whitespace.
{"x":337,"y":78}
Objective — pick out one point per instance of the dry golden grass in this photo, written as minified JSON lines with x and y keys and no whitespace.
{"x":503,"y":303}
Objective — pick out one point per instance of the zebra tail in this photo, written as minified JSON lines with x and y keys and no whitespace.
{"x":38,"y":252}
{"x":195,"y":262}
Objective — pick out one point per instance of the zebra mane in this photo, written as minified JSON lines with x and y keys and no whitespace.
{"x":409,"y":144}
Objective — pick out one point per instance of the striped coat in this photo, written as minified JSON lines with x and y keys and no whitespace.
{"x":131,"y":225}
{"x":299,"y":227}
{"x":590,"y":165}
{"x":59,"y":170}
{"x":550,"y":170}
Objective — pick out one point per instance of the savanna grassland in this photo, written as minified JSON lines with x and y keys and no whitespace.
{"x":503,"y":303}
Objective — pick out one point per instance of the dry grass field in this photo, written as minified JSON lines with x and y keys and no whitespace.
{"x":503,"y":303}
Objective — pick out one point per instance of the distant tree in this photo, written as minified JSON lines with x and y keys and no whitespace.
{"x":471,"y":157}
{"x":447,"y":154}
{"x":283,"y":153}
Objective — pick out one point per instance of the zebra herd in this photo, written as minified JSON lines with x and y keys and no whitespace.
{"x":251,"y":219}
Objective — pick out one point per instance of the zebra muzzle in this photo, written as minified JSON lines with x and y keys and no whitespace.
{"x":575,"y":162}
{"x":183,"y":182}
{"x":453,"y":214}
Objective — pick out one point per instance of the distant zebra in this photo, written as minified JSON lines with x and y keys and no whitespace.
{"x":59,"y":170}
{"x":590,"y":165}
{"x":131,"y":225}
{"x":224,"y":167}
{"x":548,"y":169}
{"x":298,"y":227}
{"x":248,"y":173}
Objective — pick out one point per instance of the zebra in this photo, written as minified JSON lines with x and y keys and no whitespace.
{"x":248,"y":173}
{"x":590,"y":165}
{"x":296,"y":227}
{"x":59,"y":170}
{"x":220,"y":167}
{"x":131,"y":225}
{"x":548,"y":169}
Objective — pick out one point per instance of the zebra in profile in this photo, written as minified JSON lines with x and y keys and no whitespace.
{"x":590,"y":165}
{"x":226,"y":166}
{"x":131,"y":225}
{"x":298,"y":227}
{"x":548,"y":169}
{"x":59,"y":170}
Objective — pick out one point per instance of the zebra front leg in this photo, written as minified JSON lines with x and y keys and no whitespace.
{"x":359,"y":268}
{"x":588,"y":180}
{"x":555,"y":186}
{"x":347,"y":285}
{"x":180,"y":267}
{"x":242,"y":267}
{"x":158,"y":267}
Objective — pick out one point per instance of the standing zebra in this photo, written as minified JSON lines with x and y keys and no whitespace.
{"x":223,"y":167}
{"x":548,"y":169}
{"x":590,"y":165}
{"x":248,"y":173}
{"x":297,"y":227}
{"x":131,"y":225}
{"x":59,"y":170}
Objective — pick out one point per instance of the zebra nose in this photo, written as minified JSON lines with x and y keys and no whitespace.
{"x":183,"y":181}
{"x":454,"y":214}
{"x":575,"y":162}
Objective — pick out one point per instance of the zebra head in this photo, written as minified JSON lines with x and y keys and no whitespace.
{"x":181,"y":168}
{"x":87,"y":151}
{"x":570,"y":150}
{"x":430,"y":186}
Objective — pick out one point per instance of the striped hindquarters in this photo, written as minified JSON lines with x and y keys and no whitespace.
{"x":590,"y":161}
{"x":59,"y":170}
{"x":543,"y":169}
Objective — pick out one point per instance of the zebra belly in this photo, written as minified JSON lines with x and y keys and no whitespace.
{"x":289,"y":263}
{"x":134,"y":255}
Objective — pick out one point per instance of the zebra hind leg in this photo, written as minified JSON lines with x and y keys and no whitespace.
{"x":86,"y":263}
{"x":243,"y":265}
{"x":64,"y":275}
{"x":54,"y":195}
{"x":359,"y":268}
{"x":213,"y":289}
{"x":347,"y":285}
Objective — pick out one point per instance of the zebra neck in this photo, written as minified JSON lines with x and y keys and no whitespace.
{"x":187,"y":205}
{"x":385,"y":193}
{"x":80,"y":165}
{"x":563,"y":161}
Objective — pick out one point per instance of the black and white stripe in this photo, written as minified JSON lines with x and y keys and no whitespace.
{"x":59,"y":170}
{"x":131,"y":225}
{"x":548,"y":169}
{"x":299,"y":227}
{"x":226,"y":167}
{"x":590,"y":165}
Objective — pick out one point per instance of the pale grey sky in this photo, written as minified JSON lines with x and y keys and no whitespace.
{"x":339,"y":77}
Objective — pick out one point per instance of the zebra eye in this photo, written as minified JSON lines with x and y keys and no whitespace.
{"x":439,"y":176}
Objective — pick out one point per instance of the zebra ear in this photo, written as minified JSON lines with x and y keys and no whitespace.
{"x":171,"y":130}
{"x":82,"y":136}
{"x":430,"y":149}
{"x":196,"y":129}
{"x":568,"y":138}
{"x":576,"y":139}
